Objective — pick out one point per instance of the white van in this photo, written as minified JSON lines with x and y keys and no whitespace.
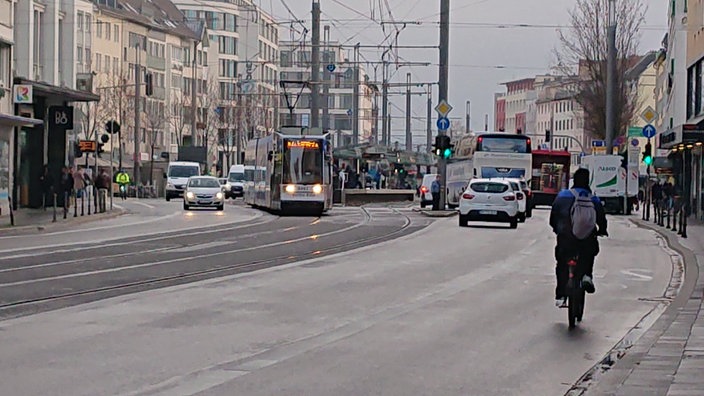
{"x":426,"y":198}
{"x":236,"y":181}
{"x":177,"y":177}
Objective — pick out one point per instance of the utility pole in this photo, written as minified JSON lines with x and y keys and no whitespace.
{"x":315,"y":68}
{"x":385,"y":132}
{"x":468,"y":112}
{"x":611,"y":80}
{"x":444,"y":76}
{"x":486,"y":122}
{"x":409,"y":135}
{"x":355,"y":98}
{"x":137,"y":115}
{"x":326,"y":78}
{"x":429,"y":121}
{"x":194,"y":106}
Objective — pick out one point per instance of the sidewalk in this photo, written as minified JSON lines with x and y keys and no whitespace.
{"x":28,"y":221}
{"x":668,"y":360}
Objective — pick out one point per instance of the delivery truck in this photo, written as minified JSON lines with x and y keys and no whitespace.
{"x":608,"y":181}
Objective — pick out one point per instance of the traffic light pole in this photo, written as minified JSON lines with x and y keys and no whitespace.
{"x":444,"y":75}
{"x":648,"y":198}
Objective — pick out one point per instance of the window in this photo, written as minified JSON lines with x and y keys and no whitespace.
{"x":228,"y":68}
{"x":89,"y":22}
{"x":489,"y":187}
{"x":227,"y":45}
{"x":88,"y":56}
{"x":107,"y":64}
{"x":79,"y":55}
{"x":99,"y":30}
{"x":4,"y":64}
{"x":230,"y":23}
{"x":116,"y":33}
{"x":98,"y":62}
{"x":115,"y":66}
{"x":79,"y":21}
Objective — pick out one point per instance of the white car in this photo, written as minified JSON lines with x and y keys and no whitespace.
{"x":204,"y":192}
{"x":490,"y":200}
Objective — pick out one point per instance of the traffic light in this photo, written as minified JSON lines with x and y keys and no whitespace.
{"x":77,"y":153}
{"x":149,"y":84}
{"x":648,"y":154}
{"x":443,"y":146}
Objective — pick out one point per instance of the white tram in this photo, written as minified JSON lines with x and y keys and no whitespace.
{"x":289,"y":173}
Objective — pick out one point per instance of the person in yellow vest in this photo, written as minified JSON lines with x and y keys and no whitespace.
{"x":123,"y":180}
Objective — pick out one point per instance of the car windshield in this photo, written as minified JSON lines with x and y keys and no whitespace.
{"x":183,"y":171}
{"x":524,"y":185}
{"x":236,"y":177}
{"x":204,"y":183}
{"x":515,"y":186}
{"x":487,"y":187}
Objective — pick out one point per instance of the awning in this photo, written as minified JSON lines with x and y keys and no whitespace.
{"x":67,"y":94}
{"x":13,"y":120}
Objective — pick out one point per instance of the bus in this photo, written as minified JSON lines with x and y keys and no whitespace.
{"x":460,"y":169}
{"x":503,"y":155}
{"x":289,"y":173}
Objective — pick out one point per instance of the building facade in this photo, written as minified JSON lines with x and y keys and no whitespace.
{"x":245,"y":51}
{"x":337,"y":93}
{"x":500,"y":111}
{"x":517,"y":93}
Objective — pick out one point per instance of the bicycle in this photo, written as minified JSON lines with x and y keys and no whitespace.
{"x":576,"y":294}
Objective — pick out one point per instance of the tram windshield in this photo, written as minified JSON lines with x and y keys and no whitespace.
{"x":303,"y":162}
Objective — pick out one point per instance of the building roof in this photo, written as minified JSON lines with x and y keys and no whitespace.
{"x":161,"y":15}
{"x":641,"y":66}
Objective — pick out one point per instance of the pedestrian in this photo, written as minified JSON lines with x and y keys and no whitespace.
{"x":66,"y":186}
{"x":435,"y":191}
{"x":47,"y":186}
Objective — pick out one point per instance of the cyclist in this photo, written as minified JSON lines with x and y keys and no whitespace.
{"x":123,"y":180}
{"x":569,"y":246}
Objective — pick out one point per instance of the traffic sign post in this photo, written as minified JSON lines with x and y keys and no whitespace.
{"x":649,"y":115}
{"x":331,"y":67}
{"x":649,"y":131}
{"x":443,"y":124}
{"x":443,"y":108}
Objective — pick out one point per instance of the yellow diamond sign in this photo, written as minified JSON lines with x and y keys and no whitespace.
{"x":649,"y":115}
{"x":443,"y":108}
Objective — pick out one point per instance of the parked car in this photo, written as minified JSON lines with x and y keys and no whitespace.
{"x":490,"y":200}
{"x":426,"y":198}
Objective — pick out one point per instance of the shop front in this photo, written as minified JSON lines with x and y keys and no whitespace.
{"x":685,"y":153}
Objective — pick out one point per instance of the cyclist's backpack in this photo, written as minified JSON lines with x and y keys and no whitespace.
{"x":582,"y":215}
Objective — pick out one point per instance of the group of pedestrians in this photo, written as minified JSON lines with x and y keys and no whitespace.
{"x":75,"y":184}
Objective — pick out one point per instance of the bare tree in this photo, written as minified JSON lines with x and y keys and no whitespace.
{"x":208,"y":117}
{"x":584,"y":45}
{"x":179,"y":115}
{"x":156,"y":120}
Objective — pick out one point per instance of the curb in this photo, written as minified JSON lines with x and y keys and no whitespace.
{"x":614,"y":370}
{"x":439,"y":213}
{"x":60,"y":223}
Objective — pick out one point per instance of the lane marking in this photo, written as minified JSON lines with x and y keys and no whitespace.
{"x":637,"y":274}
{"x":144,"y":205}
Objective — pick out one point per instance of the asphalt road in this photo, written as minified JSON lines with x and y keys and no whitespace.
{"x":55,"y":270}
{"x":442,"y":311}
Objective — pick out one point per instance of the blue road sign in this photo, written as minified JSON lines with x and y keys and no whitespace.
{"x":331,"y":68}
{"x":443,"y":123}
{"x":598,"y":143}
{"x":635,"y":142}
{"x":649,"y":131}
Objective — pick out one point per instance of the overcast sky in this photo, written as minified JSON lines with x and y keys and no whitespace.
{"x":475,"y":51}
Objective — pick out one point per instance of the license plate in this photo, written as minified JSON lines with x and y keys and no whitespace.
{"x":204,"y":202}
{"x":488,"y":212}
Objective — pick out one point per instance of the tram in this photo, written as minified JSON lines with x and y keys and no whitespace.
{"x":289,"y":173}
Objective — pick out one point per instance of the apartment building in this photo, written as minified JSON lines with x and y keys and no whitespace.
{"x":517,"y":93}
{"x":244,"y":53}
{"x":337,"y":92}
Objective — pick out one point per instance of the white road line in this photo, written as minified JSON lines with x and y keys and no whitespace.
{"x":185,"y":232}
{"x":143,"y":204}
{"x":177,"y":260}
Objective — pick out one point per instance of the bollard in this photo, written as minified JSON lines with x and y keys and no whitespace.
{"x":54,"y":219}
{"x":683,"y":226}
{"x":669,"y":214}
{"x":12,"y":214}
{"x":75,"y":204}
{"x":83,"y":203}
{"x":65,"y":204}
{"x":674,"y":222}
{"x":88,"y":189}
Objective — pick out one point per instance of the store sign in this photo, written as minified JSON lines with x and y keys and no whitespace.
{"x":23,"y":94}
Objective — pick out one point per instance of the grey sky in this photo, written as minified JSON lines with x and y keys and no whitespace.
{"x":475,"y":51}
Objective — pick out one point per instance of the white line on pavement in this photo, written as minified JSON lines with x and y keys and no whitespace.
{"x":143,"y":204}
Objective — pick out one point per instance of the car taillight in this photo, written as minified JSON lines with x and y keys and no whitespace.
{"x":467,"y":196}
{"x":510,"y":198}
{"x":424,"y":189}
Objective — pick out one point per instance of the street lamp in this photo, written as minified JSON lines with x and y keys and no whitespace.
{"x":611,"y":78}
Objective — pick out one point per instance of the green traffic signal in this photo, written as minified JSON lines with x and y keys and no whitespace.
{"x":447,"y":153}
{"x":648,"y":160}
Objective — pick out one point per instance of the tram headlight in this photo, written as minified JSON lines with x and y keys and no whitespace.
{"x":291,"y":189}
{"x":317,"y":189}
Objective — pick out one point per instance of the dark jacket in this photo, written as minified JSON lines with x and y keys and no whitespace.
{"x":561,"y":208}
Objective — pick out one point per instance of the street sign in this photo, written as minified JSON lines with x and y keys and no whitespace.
{"x":443,"y":108}
{"x":61,"y":117}
{"x":598,"y":143}
{"x":350,"y":112}
{"x":87,"y":146}
{"x":649,"y":115}
{"x":331,"y":68}
{"x":619,"y":141}
{"x":443,"y":123}
{"x":649,"y":131}
{"x":635,"y":142}
{"x":247,"y":86}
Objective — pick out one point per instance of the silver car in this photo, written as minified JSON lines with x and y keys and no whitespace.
{"x":204,"y":192}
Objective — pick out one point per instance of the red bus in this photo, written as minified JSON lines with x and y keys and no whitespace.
{"x":551,"y":174}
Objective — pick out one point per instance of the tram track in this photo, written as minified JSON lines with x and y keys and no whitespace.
{"x":54,"y":300}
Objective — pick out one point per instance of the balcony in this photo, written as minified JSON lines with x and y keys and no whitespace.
{"x":156,"y":63}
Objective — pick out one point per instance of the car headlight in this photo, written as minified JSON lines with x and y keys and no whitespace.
{"x":228,"y":187}
{"x":218,"y":195}
{"x":169,"y":185}
{"x":190,"y":195}
{"x":317,"y":189}
{"x":290,"y":189}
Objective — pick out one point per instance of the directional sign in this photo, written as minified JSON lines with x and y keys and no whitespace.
{"x":443,"y":108}
{"x":331,"y":68}
{"x":649,"y":115}
{"x":598,"y":143}
{"x":649,"y":131}
{"x":443,"y":123}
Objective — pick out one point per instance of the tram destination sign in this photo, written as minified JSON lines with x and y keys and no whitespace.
{"x":304,"y":144}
